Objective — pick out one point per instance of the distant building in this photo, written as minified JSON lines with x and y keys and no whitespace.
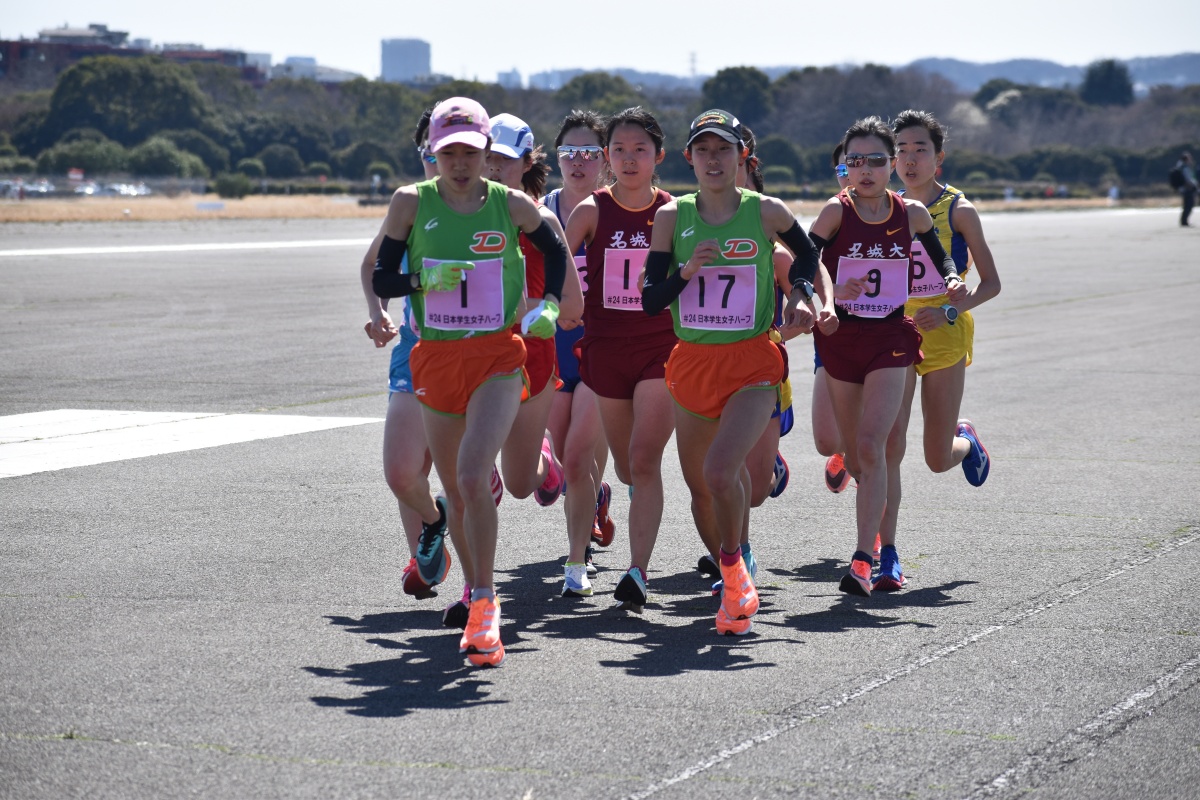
{"x":307,"y":67}
{"x":405,"y":60}
{"x":510,"y":79}
{"x":92,"y":34}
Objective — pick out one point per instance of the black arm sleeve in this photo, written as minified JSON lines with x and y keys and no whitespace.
{"x":660,"y":289}
{"x":387,"y":280}
{"x":808,"y":257}
{"x":555,"y":261}
{"x":938,"y":255}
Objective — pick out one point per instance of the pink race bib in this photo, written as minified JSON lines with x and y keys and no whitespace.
{"x":476,"y":305}
{"x":621,"y":271}
{"x":720,"y":298}
{"x":887,"y":284}
{"x":926,"y":280}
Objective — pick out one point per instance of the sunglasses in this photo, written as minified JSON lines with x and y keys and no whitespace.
{"x":842,"y":171}
{"x":856,"y":160}
{"x":426,"y":156}
{"x":588,"y":152}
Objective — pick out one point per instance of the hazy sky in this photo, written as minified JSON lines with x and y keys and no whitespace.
{"x":477,"y":40}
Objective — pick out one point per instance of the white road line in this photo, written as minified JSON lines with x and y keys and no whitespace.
{"x":66,"y":438}
{"x":182,"y":248}
{"x":907,"y":669}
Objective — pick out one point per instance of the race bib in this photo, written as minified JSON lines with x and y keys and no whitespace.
{"x":621,"y":271}
{"x":720,"y":298}
{"x":887,"y":284}
{"x":476,"y":305}
{"x":926,"y":280}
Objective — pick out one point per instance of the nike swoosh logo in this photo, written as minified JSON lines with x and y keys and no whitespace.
{"x":893,"y":233}
{"x":649,"y":222}
{"x":687,"y":233}
{"x":897,"y":354}
{"x":431,"y":224}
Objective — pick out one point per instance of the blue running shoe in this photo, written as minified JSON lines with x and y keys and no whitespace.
{"x":890,"y":578}
{"x":977,"y":464}
{"x":433,"y":562}
{"x":631,"y":591}
{"x":781,"y":475}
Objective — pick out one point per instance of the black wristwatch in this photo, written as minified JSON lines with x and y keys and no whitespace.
{"x":951,"y":313}
{"x":805,"y":287}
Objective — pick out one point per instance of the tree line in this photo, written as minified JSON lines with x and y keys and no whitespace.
{"x":150,"y":117}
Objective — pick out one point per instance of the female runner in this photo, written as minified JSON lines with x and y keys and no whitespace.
{"x":948,"y":328}
{"x":711,"y":259}
{"x":527,"y":458}
{"x":574,"y":417}
{"x":866,"y":233}
{"x":623,"y":353}
{"x":466,"y":282}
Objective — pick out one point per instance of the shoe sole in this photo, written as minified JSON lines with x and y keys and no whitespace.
{"x":890,"y":584}
{"x":783,"y":481}
{"x":708,"y":568}
{"x":852,"y":585}
{"x":728,"y":627}
{"x":416,"y":586}
{"x":630,"y":596}
{"x":455,"y":616}
{"x":574,"y":593}
{"x":837,"y":484}
{"x":492,"y":659}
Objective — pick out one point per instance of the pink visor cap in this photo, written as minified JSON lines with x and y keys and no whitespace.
{"x":459,"y":119}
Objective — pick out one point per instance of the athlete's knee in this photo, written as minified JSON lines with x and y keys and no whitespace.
{"x":475,"y":482}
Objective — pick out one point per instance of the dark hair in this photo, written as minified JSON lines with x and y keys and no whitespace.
{"x":753,"y":164}
{"x":534,"y":180}
{"x":640,"y":118}
{"x":911,"y":118}
{"x":836,"y":157}
{"x":422,"y":131}
{"x":871,"y":126}
{"x":589,"y":120}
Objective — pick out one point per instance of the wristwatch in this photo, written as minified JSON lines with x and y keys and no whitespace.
{"x":951,"y":313}
{"x":805,"y":287}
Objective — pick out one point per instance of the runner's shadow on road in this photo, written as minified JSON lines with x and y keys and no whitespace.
{"x":850,"y":612}
{"x":428,"y":674}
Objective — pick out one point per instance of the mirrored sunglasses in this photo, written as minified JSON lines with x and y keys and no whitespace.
{"x":842,"y":171}
{"x":426,"y":155}
{"x":856,"y":160}
{"x":588,"y":153}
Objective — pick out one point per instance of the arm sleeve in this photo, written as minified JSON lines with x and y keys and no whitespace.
{"x":555,"y":262}
{"x":387,"y":280}
{"x":808,"y":257}
{"x":938,"y":255}
{"x":660,"y":289}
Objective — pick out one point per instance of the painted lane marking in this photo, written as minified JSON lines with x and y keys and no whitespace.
{"x":65,"y":438}
{"x":793,"y":720}
{"x":182,"y":248}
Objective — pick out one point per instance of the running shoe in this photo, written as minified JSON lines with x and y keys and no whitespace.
{"x":575,"y":581}
{"x":890,"y":578}
{"x":707,"y":565}
{"x":497,"y":486}
{"x":631,"y":591}
{"x":551,"y":489}
{"x":876,"y":551}
{"x":977,"y":464}
{"x":603,"y":527}
{"x":433,"y":559}
{"x":780,"y":477}
{"x":836,"y":476}
{"x":728,"y":626}
{"x":413,"y":584}
{"x":481,"y":639}
{"x":858,"y":579}
{"x":739,"y":598}
{"x":589,"y":562}
{"x":751,"y":567}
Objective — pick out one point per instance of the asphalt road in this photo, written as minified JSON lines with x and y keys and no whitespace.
{"x":228,"y":621}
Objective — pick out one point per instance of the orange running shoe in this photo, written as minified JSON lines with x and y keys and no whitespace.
{"x":739,"y":598}
{"x":836,"y":475}
{"x":878,"y":547}
{"x":726,"y":626}
{"x":858,"y":579}
{"x":481,"y":639}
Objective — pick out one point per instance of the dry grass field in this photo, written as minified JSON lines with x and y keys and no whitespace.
{"x":188,"y":207}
